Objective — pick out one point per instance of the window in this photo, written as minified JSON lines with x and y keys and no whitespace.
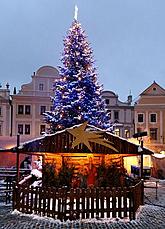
{"x":20,"y":109}
{"x":27,"y":109}
{"x":107,"y":101}
{"x":42,"y":129}
{"x":27,"y":129}
{"x":153,"y":133}
{"x":140,"y":118}
{"x":0,"y":111}
{"x":116,"y":114}
{"x":51,"y":108}
{"x":117,"y":132}
{"x":152,"y":117}
{"x":41,"y":87}
{"x":20,"y":128}
{"x":127,"y":134}
{"x":42,"y":109}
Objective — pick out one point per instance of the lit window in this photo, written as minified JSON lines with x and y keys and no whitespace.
{"x":153,"y":133}
{"x":127,"y":134}
{"x":27,"y":129}
{"x":117,"y":132}
{"x":42,"y":129}
{"x":20,"y":109}
{"x":20,"y":128}
{"x":41,"y":87}
{"x":27,"y":109}
{"x":42,"y":109}
{"x":152,"y":117}
{"x":140,"y":118}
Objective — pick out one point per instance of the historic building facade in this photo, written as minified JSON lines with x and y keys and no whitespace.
{"x":22,"y":112}
{"x":122,"y":114}
{"x":5,"y":110}
{"x":32,"y":101}
{"x":150,"y":116}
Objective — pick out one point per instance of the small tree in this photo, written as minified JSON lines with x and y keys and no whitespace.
{"x":54,"y":178}
{"x":66,"y":175}
{"x":50,"y":176}
{"x":110,"y":175}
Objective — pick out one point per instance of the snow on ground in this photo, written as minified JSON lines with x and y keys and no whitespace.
{"x":149,"y":216}
{"x":150,"y":193}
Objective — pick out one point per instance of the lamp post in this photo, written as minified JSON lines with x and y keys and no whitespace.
{"x":17,"y":162}
{"x":140,"y":136}
{"x":11,"y":116}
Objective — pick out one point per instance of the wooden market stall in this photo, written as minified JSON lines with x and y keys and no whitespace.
{"x":80,"y":145}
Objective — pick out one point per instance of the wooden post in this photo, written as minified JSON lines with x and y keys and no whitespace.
{"x":43,"y":164}
{"x":142,"y":192}
{"x":141,"y":164}
{"x":17,"y":163}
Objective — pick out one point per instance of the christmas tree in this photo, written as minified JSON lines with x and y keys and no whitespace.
{"x":77,"y":95}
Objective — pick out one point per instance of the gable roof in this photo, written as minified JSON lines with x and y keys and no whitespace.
{"x":61,"y":142}
{"x":154,"y":89}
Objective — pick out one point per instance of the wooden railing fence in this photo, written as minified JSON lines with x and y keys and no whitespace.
{"x":78,"y":203}
{"x":7,"y":177}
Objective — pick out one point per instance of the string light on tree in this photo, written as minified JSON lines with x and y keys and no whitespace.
{"x":77,"y":95}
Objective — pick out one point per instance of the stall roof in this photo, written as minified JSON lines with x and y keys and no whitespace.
{"x":82,"y":138}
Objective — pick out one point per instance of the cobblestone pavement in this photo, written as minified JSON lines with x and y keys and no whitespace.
{"x":149,"y":217}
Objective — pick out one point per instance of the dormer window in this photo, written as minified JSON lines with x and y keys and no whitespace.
{"x":41,"y":87}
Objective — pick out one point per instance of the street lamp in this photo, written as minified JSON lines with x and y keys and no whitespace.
{"x":139,"y":137}
{"x":11,"y":116}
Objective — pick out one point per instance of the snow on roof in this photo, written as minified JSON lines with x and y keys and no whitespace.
{"x":158,"y":155}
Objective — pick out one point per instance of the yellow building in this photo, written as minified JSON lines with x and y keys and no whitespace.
{"x":149,"y":113}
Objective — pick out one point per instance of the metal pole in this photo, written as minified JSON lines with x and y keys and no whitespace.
{"x":17,"y":164}
{"x":11,"y":117}
{"x":141,"y":144}
{"x":142,"y":191}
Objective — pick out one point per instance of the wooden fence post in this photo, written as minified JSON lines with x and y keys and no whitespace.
{"x":142,"y":191}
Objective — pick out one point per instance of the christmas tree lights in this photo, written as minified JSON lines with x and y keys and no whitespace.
{"x":77,"y":95}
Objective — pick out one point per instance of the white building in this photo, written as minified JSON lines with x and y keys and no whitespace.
{"x":31,"y":101}
{"x":122,"y":114}
{"x":22,"y":112}
{"x":5,"y":111}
